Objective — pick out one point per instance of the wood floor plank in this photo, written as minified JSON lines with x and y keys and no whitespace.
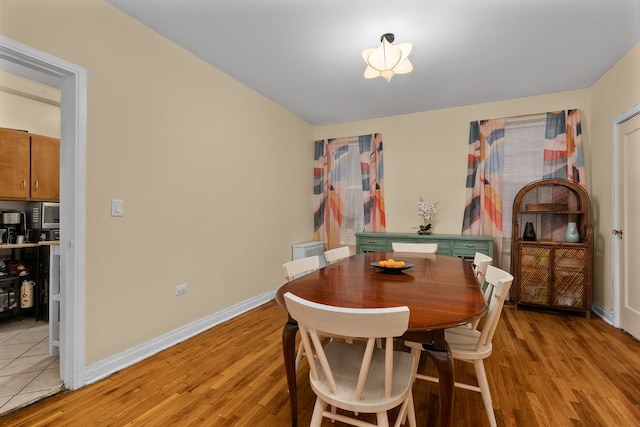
{"x":546,"y":370}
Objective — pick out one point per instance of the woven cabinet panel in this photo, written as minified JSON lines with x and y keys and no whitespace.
{"x":535,"y":256}
{"x":535,"y":274}
{"x":569,"y":294}
{"x":531,"y":294}
{"x":570,"y":258}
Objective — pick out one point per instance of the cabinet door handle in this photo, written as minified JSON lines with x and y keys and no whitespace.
{"x":470,"y":245}
{"x":24,"y":184}
{"x":35,"y":184}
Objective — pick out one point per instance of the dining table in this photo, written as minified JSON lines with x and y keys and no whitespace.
{"x":441,"y":292}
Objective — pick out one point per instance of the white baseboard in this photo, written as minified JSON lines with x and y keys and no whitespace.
{"x":117,"y":362}
{"x":602,"y":312}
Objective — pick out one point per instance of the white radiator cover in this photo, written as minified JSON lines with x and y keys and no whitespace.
{"x":311,"y":248}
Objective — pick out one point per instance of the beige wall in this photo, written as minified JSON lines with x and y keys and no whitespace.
{"x":613,"y":94}
{"x":28,"y":105}
{"x":213,"y":178}
{"x":210,"y":173}
{"x":425,"y":154}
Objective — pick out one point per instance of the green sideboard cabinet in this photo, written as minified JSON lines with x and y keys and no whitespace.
{"x":448,"y":244}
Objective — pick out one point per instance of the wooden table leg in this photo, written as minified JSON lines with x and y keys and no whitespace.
{"x":289,"y":350}
{"x":440,"y":353}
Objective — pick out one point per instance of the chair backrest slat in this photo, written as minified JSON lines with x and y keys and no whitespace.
{"x":500,"y":281}
{"x":350,"y":322}
{"x":336,"y":254}
{"x":300,"y":267}
{"x":480,"y":264}
{"x":364,"y":368}
{"x":423,"y":248}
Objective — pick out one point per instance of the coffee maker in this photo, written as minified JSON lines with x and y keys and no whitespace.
{"x":14,"y":224}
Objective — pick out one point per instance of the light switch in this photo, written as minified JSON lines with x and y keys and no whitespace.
{"x":116,"y":207}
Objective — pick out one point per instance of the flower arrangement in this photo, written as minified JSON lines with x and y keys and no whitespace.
{"x":426,"y":211}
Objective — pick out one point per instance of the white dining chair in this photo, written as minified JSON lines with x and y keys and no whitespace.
{"x":298,"y":268}
{"x":301,"y":266}
{"x":422,"y":248}
{"x":473,"y":346}
{"x":336,"y":254}
{"x":357,"y":378}
{"x":480,"y":264}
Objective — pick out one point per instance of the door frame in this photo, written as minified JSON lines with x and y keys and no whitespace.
{"x":616,"y":243}
{"x":71,"y":79}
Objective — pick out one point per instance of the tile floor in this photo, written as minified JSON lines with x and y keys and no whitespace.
{"x":27,"y":372}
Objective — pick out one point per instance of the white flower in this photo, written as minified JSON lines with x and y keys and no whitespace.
{"x":427,"y":211}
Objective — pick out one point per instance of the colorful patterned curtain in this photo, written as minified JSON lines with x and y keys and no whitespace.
{"x":348,"y":188}
{"x":563,"y":159}
{"x":563,"y":151}
{"x":483,"y":210}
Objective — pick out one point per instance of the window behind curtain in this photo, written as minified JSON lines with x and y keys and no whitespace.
{"x":353,"y":213}
{"x":348,"y":188}
{"x":523,"y":163}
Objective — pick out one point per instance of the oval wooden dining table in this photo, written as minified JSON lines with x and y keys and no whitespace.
{"x":440,"y":291}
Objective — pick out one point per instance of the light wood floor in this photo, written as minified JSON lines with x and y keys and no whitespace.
{"x":546,"y":370}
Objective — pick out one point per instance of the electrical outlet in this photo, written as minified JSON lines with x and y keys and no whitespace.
{"x":182,"y":289}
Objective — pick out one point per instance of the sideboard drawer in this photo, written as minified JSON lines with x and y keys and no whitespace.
{"x":372,"y":244}
{"x":479,"y":246}
{"x":468,"y":249}
{"x":366,"y":247}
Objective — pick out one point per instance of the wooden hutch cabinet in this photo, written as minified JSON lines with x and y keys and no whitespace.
{"x":549,"y":272}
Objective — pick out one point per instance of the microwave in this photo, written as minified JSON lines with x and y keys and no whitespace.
{"x":44,"y":215}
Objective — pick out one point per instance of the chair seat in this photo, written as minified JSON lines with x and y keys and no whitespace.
{"x":345,"y":359}
{"x":463,"y":343}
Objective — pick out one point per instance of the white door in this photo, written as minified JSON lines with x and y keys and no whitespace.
{"x":628,"y":231}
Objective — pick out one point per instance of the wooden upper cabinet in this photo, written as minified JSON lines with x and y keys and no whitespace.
{"x":45,"y":168}
{"x":14,"y":164}
{"x":29,"y":166}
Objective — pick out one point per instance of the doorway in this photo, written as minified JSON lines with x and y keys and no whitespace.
{"x":71,"y":79}
{"x":626,"y":231}
{"x":29,"y":365}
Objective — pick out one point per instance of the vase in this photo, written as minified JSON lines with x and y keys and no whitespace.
{"x":424,"y":229}
{"x":572,"y":235}
{"x":529,"y":233}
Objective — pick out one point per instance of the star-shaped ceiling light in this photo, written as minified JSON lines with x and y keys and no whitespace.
{"x":387,"y":60}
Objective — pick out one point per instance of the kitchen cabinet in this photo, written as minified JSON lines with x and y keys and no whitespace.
{"x":45,"y":168}
{"x":549,"y":272}
{"x":456,"y":245}
{"x":15,"y":167}
{"x":29,"y":166}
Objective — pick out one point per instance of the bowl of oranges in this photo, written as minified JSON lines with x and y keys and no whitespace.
{"x":392,"y":266}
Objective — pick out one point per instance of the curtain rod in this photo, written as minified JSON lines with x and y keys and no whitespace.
{"x":525,"y":118}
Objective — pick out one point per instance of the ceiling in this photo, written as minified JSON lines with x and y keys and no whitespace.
{"x":305,"y":55}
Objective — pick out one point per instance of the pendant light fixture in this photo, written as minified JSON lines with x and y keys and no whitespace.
{"x":387,"y":60}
